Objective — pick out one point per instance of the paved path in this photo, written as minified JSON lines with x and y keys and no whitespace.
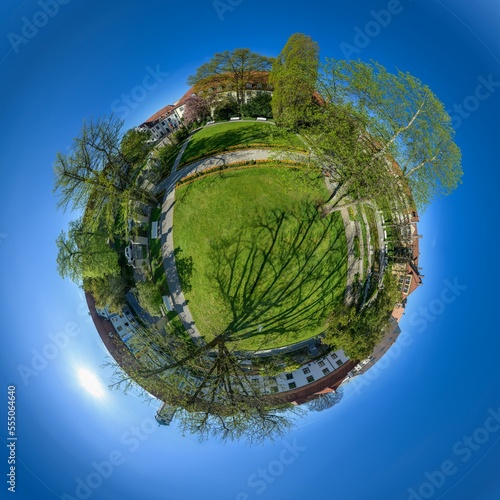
{"x":224,"y":159}
{"x":354,"y":266}
{"x":369,"y":247}
{"x":352,"y":230}
{"x":167,"y":243}
{"x":181,"y":153}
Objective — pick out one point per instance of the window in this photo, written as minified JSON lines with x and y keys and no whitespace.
{"x":292,"y":385}
{"x":126,"y":324}
{"x":289,"y":376}
{"x":326,"y":371}
{"x":274,"y":388}
{"x":306,"y":371}
{"x":321,"y":363}
{"x":334,"y":356}
{"x":119,"y":328}
{"x":310,"y":379}
{"x":339,"y":362}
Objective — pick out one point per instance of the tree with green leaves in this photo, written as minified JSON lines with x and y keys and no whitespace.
{"x":108,"y":291}
{"x":134,"y":146}
{"x":397,"y":119}
{"x":225,"y":108}
{"x":236,"y":67}
{"x":358,"y":328}
{"x":96,"y":174}
{"x":293,"y":76}
{"x":83,"y":253}
{"x":149,"y":297}
{"x":259,"y":105}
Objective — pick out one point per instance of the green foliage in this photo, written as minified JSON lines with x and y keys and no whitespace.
{"x":260,"y":105}
{"x":97,"y":177}
{"x":108,"y":291}
{"x":83,"y":253}
{"x":236,"y":67}
{"x":226,"y":109}
{"x":358,"y":332}
{"x":166,"y":156}
{"x":293,"y":77}
{"x":181,"y":134}
{"x":149,"y":297}
{"x":403,"y":119}
{"x":134,"y":146}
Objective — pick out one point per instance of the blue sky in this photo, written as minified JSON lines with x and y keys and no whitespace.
{"x":395,"y":429}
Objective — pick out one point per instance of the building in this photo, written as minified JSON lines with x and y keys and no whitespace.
{"x":405,"y":267}
{"x":165,"y":414}
{"x":167,"y":120}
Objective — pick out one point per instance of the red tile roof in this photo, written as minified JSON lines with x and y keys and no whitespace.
{"x":168,"y":109}
{"x":159,"y":114}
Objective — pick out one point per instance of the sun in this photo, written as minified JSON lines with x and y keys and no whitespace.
{"x":91,"y":383}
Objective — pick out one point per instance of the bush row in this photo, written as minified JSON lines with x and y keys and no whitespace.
{"x":245,"y":146}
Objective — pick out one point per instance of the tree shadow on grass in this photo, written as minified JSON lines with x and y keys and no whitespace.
{"x":224,"y":139}
{"x":184,"y":267}
{"x":280,"y":276}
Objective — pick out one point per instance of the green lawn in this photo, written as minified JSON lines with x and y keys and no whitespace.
{"x":217,"y":138}
{"x":256,"y":257}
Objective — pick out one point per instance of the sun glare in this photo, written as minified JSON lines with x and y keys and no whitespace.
{"x":91,"y":383}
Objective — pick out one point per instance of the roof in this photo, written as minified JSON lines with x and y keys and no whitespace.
{"x":184,"y":98}
{"x":165,"y":111}
{"x":168,"y":109}
{"x":328,"y":383}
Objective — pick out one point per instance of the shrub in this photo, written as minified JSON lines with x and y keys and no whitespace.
{"x":260,"y":105}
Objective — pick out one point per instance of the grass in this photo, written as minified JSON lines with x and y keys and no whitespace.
{"x":216,"y":138}
{"x":256,"y":257}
